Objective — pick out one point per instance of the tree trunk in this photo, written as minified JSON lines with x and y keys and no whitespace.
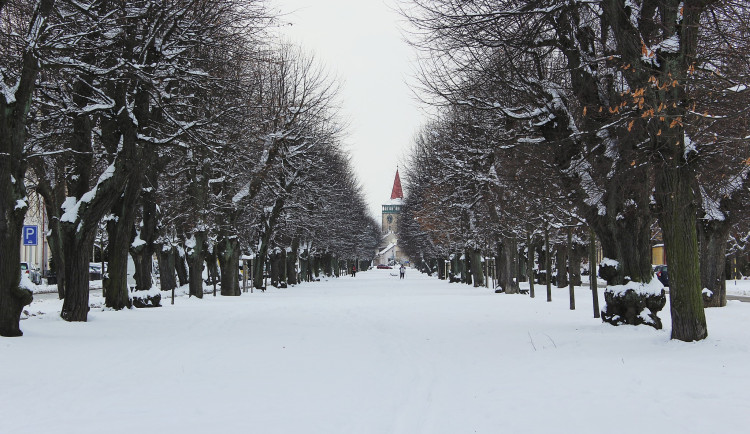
{"x":261,"y":257}
{"x":571,"y":289}
{"x":229,"y":259}
{"x":116,"y":290}
{"x":577,"y":251}
{"x":166,"y":258}
{"x":507,"y":279}
{"x":712,"y":238}
{"x":13,"y":124}
{"x":56,"y":252}
{"x":291,"y":260}
{"x":212,"y":263}
{"x":195,"y":258}
{"x":316,"y":265}
{"x":77,"y":253}
{"x":561,"y":262}
{"x":467,"y":267}
{"x":274,"y":258}
{"x":548,"y":264}
{"x":456,"y":268}
{"x":143,"y":261}
{"x":522,"y":264}
{"x":143,"y":254}
{"x":530,"y":266}
{"x":674,"y":196}
{"x":476,"y":267}
{"x":180,"y":265}
{"x":592,"y":272}
{"x":304,"y":266}
{"x":12,"y":297}
{"x":121,"y":233}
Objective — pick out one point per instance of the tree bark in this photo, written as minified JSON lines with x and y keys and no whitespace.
{"x":229,"y":260}
{"x":592,"y":272}
{"x":712,"y":239}
{"x":180,"y":266}
{"x":58,"y":258}
{"x":561,"y":275}
{"x":274,"y":258}
{"x":571,"y":289}
{"x":212,"y":263}
{"x":166,"y":259}
{"x":476,"y":267}
{"x":143,"y":254}
{"x":291,"y":261}
{"x":506,"y":277}
{"x":77,"y":252}
{"x":548,"y":264}
{"x":12,"y":297}
{"x":121,"y":233}
{"x":304,"y":266}
{"x":530,"y":266}
{"x":13,"y":165}
{"x":675,"y":198}
{"x":195,"y":260}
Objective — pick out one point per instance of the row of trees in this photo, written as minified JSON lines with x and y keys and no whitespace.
{"x":175,"y":128}
{"x":611,"y":114}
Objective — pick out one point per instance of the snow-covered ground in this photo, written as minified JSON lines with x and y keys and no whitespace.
{"x":738,"y":287}
{"x":371,"y":354}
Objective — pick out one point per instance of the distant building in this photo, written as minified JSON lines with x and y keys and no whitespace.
{"x":36,"y":255}
{"x":389,"y":252}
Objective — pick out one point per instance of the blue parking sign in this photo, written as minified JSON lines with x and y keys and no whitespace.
{"x":30,"y":235}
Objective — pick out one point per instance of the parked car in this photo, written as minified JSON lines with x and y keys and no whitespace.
{"x":384,"y":267}
{"x":33,"y":273}
{"x":662,"y":274}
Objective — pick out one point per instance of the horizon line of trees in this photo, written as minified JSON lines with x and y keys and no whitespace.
{"x":179,"y":129}
{"x":628,"y":117}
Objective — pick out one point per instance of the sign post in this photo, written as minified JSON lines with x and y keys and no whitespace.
{"x":30,"y":235}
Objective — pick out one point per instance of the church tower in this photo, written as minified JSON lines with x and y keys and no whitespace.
{"x":389,"y":252}
{"x":392,"y":208}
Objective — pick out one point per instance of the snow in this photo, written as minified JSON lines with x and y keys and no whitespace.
{"x":654,"y":287}
{"x":26,"y":283}
{"x":71,"y":207}
{"x":9,"y":93}
{"x":371,"y":354}
{"x":609,"y":262}
{"x":738,"y":88}
{"x":70,"y":210}
{"x":21,"y":203}
{"x":138,"y":242}
{"x":670,"y":45}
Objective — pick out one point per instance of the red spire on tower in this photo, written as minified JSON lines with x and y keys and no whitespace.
{"x":397,"y":193}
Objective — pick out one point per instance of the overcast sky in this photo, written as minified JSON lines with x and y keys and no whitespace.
{"x":360,"y":42}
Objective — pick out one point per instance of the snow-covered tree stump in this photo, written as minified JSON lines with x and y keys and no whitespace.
{"x":634,"y":303}
{"x":150,"y":298}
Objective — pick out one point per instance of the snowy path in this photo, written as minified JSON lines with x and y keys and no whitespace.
{"x":371,"y":354}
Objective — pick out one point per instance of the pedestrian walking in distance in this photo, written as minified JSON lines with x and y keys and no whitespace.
{"x":402,"y":271}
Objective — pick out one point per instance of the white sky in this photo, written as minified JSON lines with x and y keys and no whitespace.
{"x":360,"y":42}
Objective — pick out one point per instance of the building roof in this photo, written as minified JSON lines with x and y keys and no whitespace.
{"x":397,"y":193}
